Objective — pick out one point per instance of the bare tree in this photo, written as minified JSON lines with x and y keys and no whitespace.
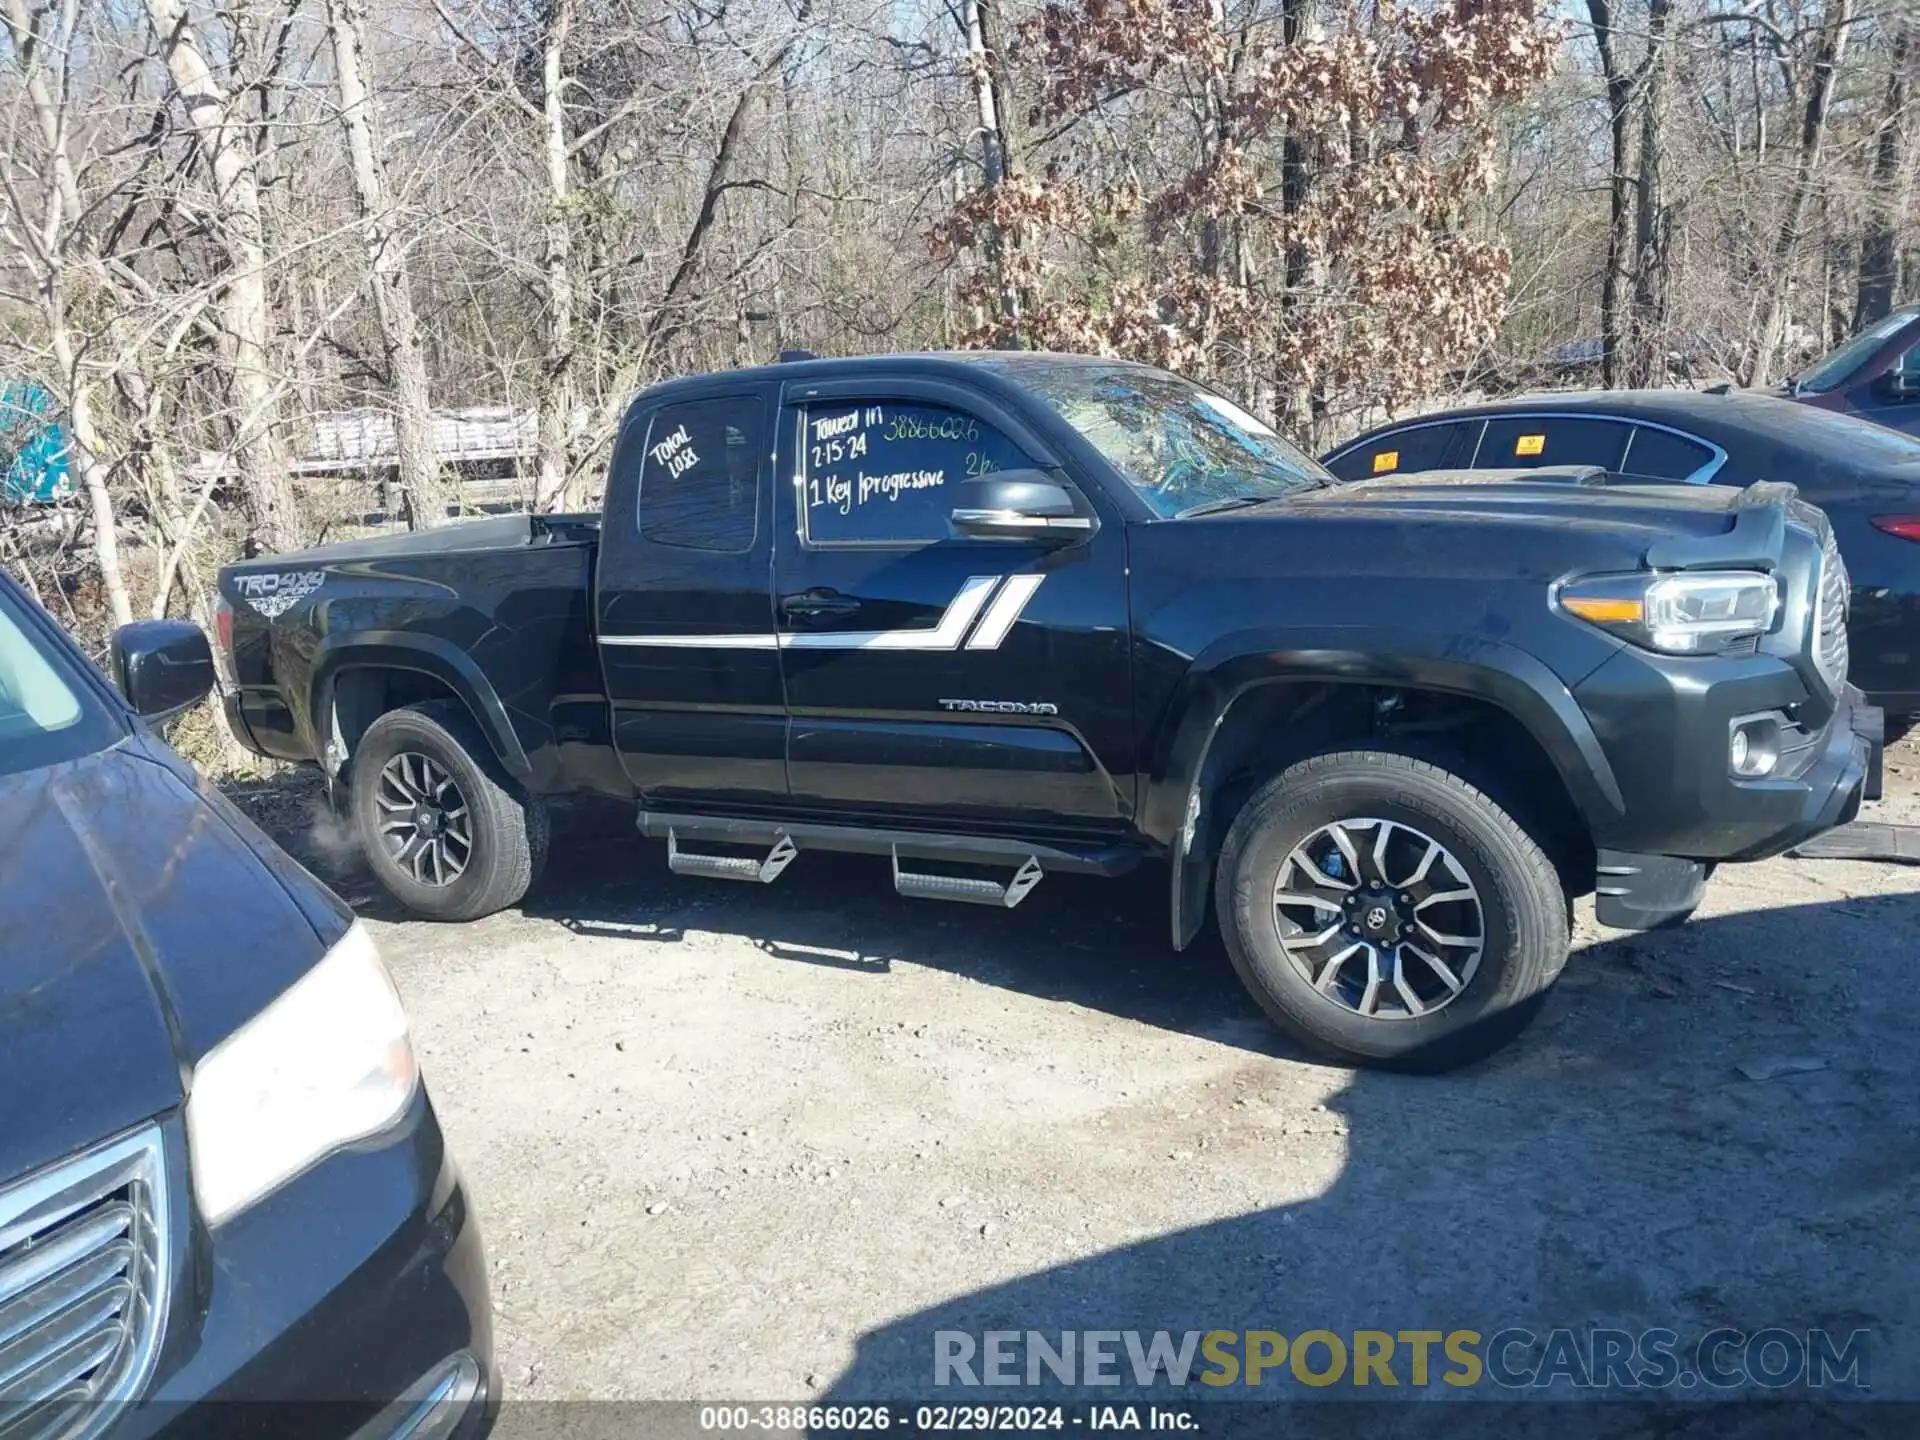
{"x":1887,"y":198}
{"x":556,"y":390}
{"x":1829,"y":48}
{"x":228,"y":149}
{"x":387,"y":276}
{"x":48,"y":248}
{"x":1619,"y":93}
{"x":993,"y":142}
{"x":1647,"y":364}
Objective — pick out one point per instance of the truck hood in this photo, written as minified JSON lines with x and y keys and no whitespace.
{"x":1474,"y":529}
{"x":1633,"y":512}
{"x":1462,"y":525}
{"x":142,"y":927}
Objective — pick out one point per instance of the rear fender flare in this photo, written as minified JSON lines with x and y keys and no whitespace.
{"x":428,"y":655}
{"x":1176,"y":809}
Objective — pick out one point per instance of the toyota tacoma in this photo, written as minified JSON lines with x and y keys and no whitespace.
{"x":992,"y":616}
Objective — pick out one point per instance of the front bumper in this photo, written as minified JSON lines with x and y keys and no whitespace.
{"x":1666,"y":727}
{"x":333,"y":1306}
{"x":1664,"y":723}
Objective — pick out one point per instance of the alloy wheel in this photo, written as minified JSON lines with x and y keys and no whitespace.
{"x":425,"y":826}
{"x":1380,"y":918}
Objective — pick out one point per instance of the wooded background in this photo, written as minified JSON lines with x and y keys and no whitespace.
{"x":220,"y":218}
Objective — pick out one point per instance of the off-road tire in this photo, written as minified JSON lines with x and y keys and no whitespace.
{"x":508,"y":825}
{"x":1524,"y":908}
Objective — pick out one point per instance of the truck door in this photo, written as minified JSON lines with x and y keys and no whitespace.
{"x":683,"y":608}
{"x":933,"y":680}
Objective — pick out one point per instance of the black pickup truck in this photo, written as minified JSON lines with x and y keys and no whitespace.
{"x":997,"y":615}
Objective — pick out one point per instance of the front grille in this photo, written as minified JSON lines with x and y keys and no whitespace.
{"x":83,"y":1287}
{"x":1830,"y":615}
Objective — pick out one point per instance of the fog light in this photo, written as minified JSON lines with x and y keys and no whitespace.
{"x":1753,"y":747}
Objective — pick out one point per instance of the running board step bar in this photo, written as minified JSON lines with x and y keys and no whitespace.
{"x":740,"y":832}
{"x":1864,"y":840}
{"x":971,"y":892}
{"x":731,"y":867}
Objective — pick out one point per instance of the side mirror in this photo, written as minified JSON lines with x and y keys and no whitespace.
{"x":162,"y":666}
{"x":1034,"y":506}
{"x":1898,"y":384}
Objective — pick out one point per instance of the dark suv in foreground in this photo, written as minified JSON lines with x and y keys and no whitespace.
{"x":225,"y":1202}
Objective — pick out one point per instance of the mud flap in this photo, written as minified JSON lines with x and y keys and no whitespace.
{"x":1646,"y":892}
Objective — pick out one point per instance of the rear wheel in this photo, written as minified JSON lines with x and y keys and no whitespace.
{"x":446,"y":832}
{"x":1388,"y":912}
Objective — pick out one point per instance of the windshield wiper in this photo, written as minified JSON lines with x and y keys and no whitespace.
{"x":1214,"y":507}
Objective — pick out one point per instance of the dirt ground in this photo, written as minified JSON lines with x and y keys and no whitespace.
{"x":739,"y":1143}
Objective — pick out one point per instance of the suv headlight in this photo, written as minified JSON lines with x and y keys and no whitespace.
{"x":1703,"y":612}
{"x":325,"y":1064}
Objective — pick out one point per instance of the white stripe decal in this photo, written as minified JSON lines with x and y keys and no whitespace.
{"x":697,"y":642}
{"x":947,"y":635}
{"x":1005,"y":612}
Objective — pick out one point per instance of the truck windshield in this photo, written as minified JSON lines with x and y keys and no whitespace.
{"x":47,"y":714}
{"x":1184,"y":449}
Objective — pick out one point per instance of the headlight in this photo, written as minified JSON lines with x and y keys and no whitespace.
{"x":322,"y":1066}
{"x":1698,"y":613}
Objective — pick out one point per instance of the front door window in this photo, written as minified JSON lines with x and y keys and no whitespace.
{"x":886,"y":473}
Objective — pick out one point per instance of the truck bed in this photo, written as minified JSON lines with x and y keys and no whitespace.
{"x":499,"y":532}
{"x":497,"y":612}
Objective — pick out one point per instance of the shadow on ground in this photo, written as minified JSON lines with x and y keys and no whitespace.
{"x":1097,"y":943}
{"x":1103,"y":944}
{"x":1614,"y":1169}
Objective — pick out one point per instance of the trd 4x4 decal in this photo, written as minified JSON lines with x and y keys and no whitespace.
{"x":274,"y":593}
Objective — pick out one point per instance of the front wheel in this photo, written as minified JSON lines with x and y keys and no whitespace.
{"x":1388,"y":912}
{"x":447,"y":833}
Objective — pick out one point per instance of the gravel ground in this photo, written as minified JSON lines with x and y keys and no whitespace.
{"x":736,"y":1143}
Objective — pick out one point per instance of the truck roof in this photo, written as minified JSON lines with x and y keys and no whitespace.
{"x":949,"y":363}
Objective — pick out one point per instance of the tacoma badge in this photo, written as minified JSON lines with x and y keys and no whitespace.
{"x":1003,"y":707}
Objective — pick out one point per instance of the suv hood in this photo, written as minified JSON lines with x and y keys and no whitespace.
{"x":143,"y":926}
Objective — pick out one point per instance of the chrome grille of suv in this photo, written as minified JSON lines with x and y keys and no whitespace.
{"x":1830,"y":615}
{"x":83,"y":1287}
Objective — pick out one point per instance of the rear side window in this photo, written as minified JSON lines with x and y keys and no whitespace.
{"x":1663,"y":455}
{"x":700,"y":474}
{"x":1526,"y":442}
{"x":1416,"y":447}
{"x":885,"y":473}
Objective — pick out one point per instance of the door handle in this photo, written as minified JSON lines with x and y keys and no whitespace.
{"x":819,"y":603}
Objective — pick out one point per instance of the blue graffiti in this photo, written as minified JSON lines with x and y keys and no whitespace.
{"x":33,"y":444}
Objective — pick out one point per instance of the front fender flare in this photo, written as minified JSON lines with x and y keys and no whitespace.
{"x":1175,"y":811}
